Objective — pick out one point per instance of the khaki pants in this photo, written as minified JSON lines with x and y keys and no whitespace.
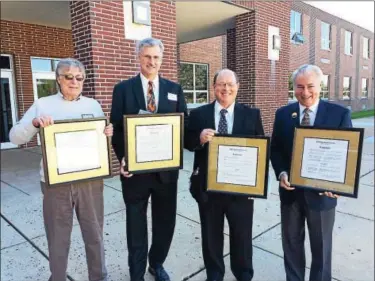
{"x":59,"y":203}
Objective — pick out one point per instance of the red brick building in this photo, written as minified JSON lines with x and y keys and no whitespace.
{"x":199,"y":39}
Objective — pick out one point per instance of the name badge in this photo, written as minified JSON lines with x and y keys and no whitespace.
{"x":87,"y":115}
{"x":172,"y":96}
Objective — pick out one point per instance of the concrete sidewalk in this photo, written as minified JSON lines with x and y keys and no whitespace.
{"x":23,"y":257}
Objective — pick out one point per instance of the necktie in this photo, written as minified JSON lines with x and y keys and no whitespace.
{"x":223,"y":125}
{"x":151,"y":105}
{"x":306,"y":117}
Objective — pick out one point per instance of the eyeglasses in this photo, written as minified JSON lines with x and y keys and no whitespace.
{"x":223,"y":85}
{"x":70,"y":77}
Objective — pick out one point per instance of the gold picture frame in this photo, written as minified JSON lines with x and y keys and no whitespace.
{"x":75,"y":150}
{"x":153,"y":142}
{"x":327,"y":160}
{"x":238,"y":165}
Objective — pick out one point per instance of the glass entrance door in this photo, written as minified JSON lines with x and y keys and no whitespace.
{"x":8,"y":110}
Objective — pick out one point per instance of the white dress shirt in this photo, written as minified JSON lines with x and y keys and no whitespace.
{"x":229,"y":116}
{"x":155,"y":86}
{"x":312,"y":112}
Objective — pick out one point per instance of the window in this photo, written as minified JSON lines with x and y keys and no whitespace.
{"x":43,"y":65}
{"x":291,"y":95}
{"x":5,"y":62}
{"x":193,"y":78}
{"x":348,"y":43}
{"x":324,"y":93}
{"x":364,"y":88}
{"x":366,"y":48}
{"x":325,"y":36}
{"x":295,"y":23}
{"x":346,"y":88}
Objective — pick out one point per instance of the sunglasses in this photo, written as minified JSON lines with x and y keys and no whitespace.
{"x":70,"y":77}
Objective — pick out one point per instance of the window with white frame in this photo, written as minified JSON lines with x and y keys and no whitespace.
{"x":44,"y":79}
{"x":364,"y":88}
{"x":348,"y":43}
{"x":346,"y":88}
{"x":291,"y":95}
{"x":295,"y":23}
{"x":366,"y":48}
{"x":324,"y":93}
{"x":325,"y":36}
{"x":193,"y":77}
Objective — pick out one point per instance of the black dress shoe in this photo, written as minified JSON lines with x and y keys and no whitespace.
{"x":159,"y":273}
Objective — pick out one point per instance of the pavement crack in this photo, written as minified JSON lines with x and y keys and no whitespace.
{"x":356,"y":216}
{"x":367,"y":173}
{"x":29,"y":240}
{"x":16,"y":188}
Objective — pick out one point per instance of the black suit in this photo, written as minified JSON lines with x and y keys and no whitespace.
{"x":299,"y":204}
{"x":214,"y":206}
{"x":128,"y":98}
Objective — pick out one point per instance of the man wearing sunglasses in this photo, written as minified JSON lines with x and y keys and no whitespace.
{"x":148,"y":92}
{"x":85,"y":197}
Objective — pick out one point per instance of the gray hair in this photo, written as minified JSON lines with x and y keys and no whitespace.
{"x":307,"y":68}
{"x":149,"y":42}
{"x":68,"y":63}
{"x":225,"y":70}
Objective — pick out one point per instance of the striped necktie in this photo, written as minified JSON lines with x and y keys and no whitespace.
{"x":151,"y":105}
{"x":306,"y":117}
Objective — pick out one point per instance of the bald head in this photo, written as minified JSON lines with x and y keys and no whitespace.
{"x":225,"y":87}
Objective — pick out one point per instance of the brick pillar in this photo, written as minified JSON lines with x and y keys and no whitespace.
{"x":263,"y":83}
{"x":99,"y":43}
{"x":231,"y":49}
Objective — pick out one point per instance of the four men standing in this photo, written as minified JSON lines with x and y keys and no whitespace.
{"x":149,"y":92}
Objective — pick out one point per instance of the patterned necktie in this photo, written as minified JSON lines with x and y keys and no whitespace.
{"x":306,"y":117}
{"x":151,"y":105}
{"x":223,"y":125}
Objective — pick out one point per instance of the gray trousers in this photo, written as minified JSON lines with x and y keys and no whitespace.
{"x":59,"y":203}
{"x":320,"y":226}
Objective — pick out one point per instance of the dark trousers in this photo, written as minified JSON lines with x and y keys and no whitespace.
{"x":320,"y":226}
{"x":136,"y":192}
{"x":239,"y":213}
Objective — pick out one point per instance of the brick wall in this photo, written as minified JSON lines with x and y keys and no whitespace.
{"x":196,"y":52}
{"x":263,"y":83}
{"x":99,"y":35}
{"x":339,"y":64}
{"x":231,"y":49}
{"x":22,"y":41}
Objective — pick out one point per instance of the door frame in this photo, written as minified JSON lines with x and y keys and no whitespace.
{"x":9,"y":74}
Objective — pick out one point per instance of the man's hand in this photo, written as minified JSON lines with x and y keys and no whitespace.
{"x":329,"y":194}
{"x":126,"y":174}
{"x":42,"y":121}
{"x":206,"y":135}
{"x":284,"y":183}
{"x":108,"y":131}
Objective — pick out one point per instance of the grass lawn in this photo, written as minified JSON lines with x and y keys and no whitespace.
{"x":364,"y":113}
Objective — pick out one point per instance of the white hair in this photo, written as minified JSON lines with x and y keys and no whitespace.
{"x":149,"y":42}
{"x":307,"y":68}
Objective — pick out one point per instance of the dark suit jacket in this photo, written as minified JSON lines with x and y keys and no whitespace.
{"x":329,"y":115}
{"x":247,"y":121}
{"x":128,"y":98}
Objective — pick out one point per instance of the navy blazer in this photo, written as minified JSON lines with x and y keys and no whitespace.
{"x":128,"y":98}
{"x":329,"y":115}
{"x":247,"y":121}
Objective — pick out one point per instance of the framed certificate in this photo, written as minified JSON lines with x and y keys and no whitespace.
{"x":238,"y":164}
{"x":327,"y":159}
{"x":153,"y":142}
{"x":75,"y":150}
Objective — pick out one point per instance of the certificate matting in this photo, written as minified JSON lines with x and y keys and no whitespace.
{"x":68,"y":154}
{"x":153,"y":142}
{"x":327,"y":159}
{"x":255,"y":182}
